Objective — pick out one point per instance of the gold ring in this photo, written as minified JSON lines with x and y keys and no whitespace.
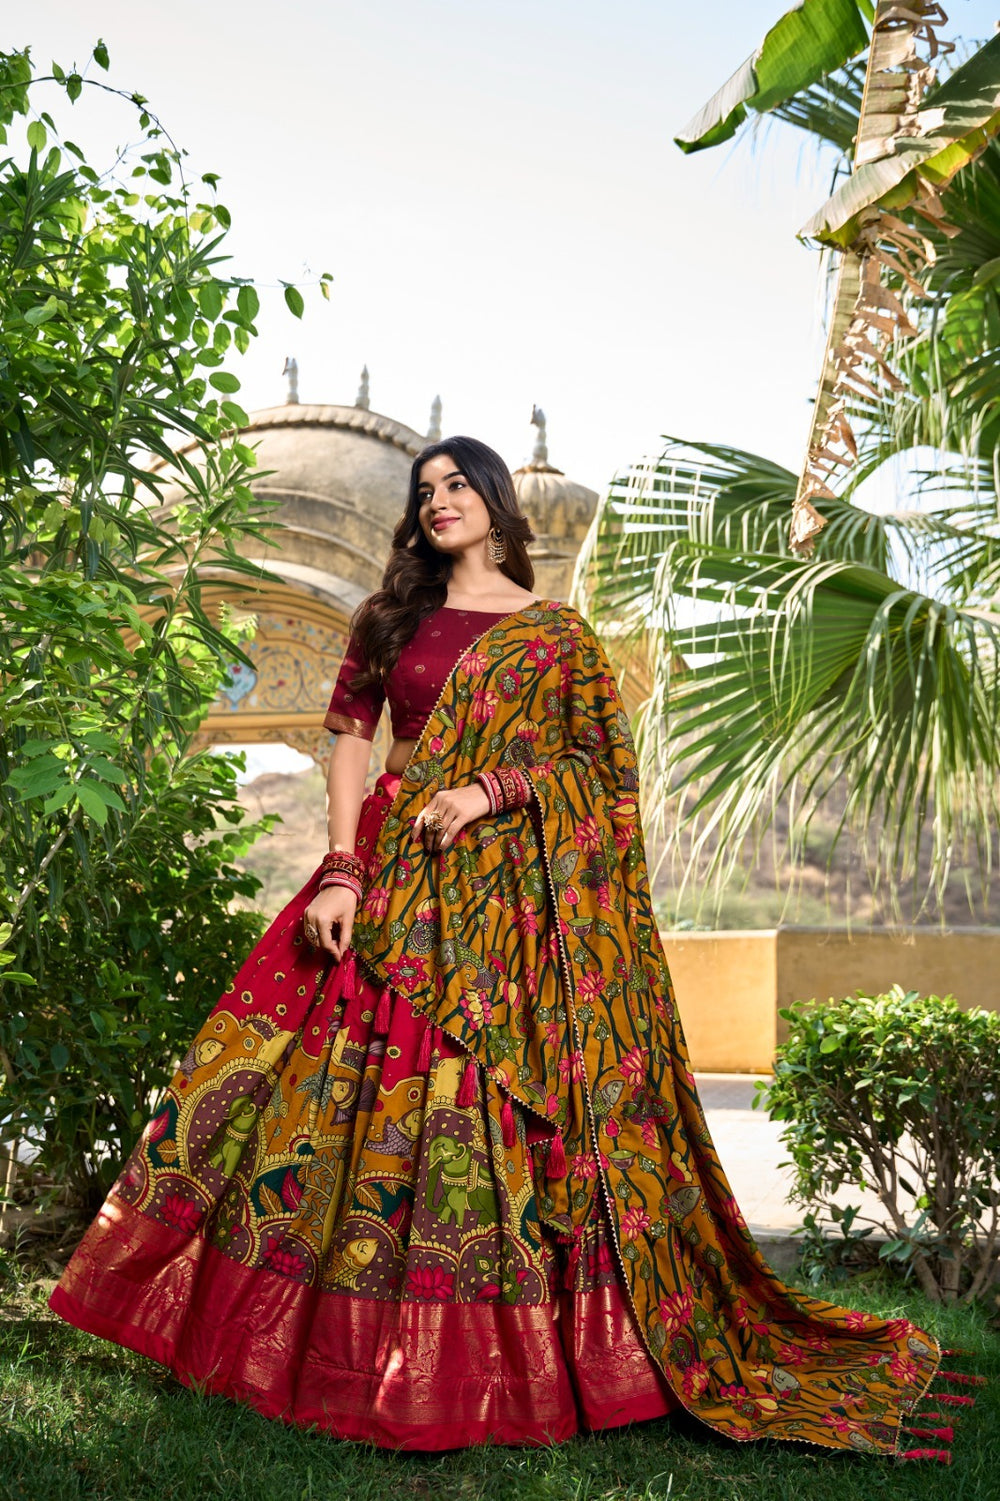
{"x":312,"y":934}
{"x":432,"y":821}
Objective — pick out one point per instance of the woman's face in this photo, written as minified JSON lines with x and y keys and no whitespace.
{"x":453,"y":516}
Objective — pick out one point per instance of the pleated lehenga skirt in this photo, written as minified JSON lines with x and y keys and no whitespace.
{"x":333,"y":1217}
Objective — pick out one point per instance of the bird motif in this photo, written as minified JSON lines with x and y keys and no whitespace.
{"x":398,"y":1137}
{"x":606,"y":1097}
{"x":918,"y":1347}
{"x":199,"y":1054}
{"x":563,"y":866}
{"x":683,"y":1202}
{"x":784,"y":1380}
{"x":346,"y":1266}
{"x":454,"y":951}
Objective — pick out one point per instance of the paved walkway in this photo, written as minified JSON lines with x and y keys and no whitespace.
{"x":750,"y":1150}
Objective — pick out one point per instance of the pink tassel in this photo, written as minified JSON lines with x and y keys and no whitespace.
{"x":467,"y":1091}
{"x":946,"y":1435}
{"x":507,"y":1123}
{"x":424,"y":1057}
{"x":952,"y":1399}
{"x":932,"y":1417}
{"x":348,"y":989}
{"x":943,"y":1455}
{"x":383,"y":1013}
{"x":557,"y":1158}
{"x":961,"y":1379}
{"x":956,"y":1351}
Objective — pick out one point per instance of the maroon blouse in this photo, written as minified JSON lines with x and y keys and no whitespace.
{"x":414,"y":685}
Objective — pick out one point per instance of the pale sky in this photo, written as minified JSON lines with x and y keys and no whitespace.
{"x":496,"y":192}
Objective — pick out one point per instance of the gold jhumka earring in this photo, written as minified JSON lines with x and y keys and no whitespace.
{"x":496,"y":546}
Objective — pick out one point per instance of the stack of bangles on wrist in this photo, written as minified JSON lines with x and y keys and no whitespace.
{"x":341,"y":868}
{"x":506,"y":788}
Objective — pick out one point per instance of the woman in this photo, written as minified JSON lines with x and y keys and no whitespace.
{"x":435,"y":1170}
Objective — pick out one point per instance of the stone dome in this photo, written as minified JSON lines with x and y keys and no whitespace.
{"x":338,"y":478}
{"x":560,"y":511}
{"x":340,"y":475}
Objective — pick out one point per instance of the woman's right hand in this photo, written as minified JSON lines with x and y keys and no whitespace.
{"x":331,"y":914}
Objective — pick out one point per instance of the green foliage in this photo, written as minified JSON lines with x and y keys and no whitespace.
{"x":116,"y":325}
{"x":831,"y":1258}
{"x":872,"y":666}
{"x":779,"y":677}
{"x":130,"y":970}
{"x":897,"y":1094}
{"x":951,"y":370}
{"x":828,"y":110}
{"x":810,"y":40}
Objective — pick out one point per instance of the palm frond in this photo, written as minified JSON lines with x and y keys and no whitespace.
{"x":829,"y":108}
{"x":775,"y":678}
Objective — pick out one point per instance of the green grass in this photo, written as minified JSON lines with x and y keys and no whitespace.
{"x":81,"y":1420}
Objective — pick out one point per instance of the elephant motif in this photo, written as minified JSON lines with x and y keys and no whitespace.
{"x":453,"y":1187}
{"x":450,"y":1164}
{"x":232,"y":1137}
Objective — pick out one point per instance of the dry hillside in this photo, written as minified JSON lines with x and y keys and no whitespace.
{"x":761,"y":898}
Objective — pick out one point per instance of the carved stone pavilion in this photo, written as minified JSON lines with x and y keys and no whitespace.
{"x":339,"y":476}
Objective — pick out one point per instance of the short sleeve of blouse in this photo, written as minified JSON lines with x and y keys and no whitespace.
{"x":354,"y":711}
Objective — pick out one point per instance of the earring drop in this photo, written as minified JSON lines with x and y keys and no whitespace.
{"x":496,"y":546}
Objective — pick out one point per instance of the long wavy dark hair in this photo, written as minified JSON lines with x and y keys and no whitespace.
{"x":415,"y":583}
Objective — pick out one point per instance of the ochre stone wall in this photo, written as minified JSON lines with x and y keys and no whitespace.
{"x":731,"y":985}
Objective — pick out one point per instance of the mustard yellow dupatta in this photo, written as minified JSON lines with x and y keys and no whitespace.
{"x":533,"y":942}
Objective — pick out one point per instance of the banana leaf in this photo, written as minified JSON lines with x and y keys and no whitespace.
{"x":954,"y":123}
{"x":812,"y":39}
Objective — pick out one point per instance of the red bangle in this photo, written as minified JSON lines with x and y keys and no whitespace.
{"x":341,"y":878}
{"x":515,"y":787}
{"x":491,"y":787}
{"x":505,"y":788}
{"x":342,"y":861}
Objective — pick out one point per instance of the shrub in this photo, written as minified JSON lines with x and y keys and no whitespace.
{"x":899,"y":1094}
{"x":117,"y":321}
{"x":128,"y":980}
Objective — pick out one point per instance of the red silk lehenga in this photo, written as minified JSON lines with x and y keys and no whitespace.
{"x":459,"y":1186}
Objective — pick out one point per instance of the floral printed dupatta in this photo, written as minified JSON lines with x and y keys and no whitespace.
{"x":532,"y":941}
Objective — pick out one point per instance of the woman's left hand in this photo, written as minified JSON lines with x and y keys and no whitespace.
{"x":454,"y":807}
